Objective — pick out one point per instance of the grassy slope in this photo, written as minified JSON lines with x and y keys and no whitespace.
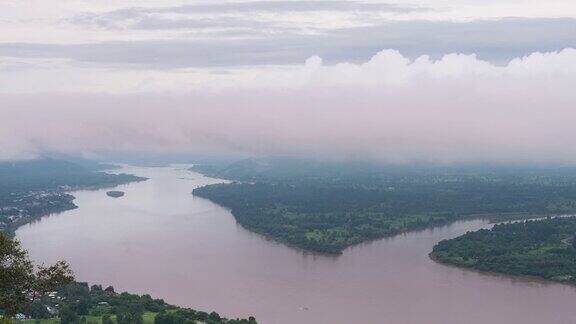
{"x":148,"y":319}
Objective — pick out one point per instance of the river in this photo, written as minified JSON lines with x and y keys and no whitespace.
{"x":161,"y":240}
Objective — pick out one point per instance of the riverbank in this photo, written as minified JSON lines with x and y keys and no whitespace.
{"x":328,"y":219}
{"x":32,"y":206}
{"x":33,"y":189}
{"x":544,"y":248}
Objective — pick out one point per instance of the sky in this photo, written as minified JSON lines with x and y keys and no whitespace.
{"x":404,"y":80}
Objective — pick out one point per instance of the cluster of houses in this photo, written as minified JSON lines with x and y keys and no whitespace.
{"x":53,"y":302}
{"x":51,"y":306}
{"x":19,"y":208}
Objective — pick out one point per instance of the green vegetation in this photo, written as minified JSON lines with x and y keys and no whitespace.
{"x":80,"y":304}
{"x":541,"y":248}
{"x":21,"y":284}
{"x":49,"y":295}
{"x":32,"y":189}
{"x":147,"y":318}
{"x":327,"y":206}
{"x":115,"y":193}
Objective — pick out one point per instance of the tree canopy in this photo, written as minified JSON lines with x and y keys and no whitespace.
{"x":326,"y":206}
{"x":21,"y":283}
{"x":542,"y":248}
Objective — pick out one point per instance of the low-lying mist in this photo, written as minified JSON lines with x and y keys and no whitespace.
{"x":457,"y":109}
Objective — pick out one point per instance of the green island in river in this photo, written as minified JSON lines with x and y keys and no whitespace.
{"x":538,"y":248}
{"x":115,"y":193}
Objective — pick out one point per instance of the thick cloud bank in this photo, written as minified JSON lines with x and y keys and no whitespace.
{"x":457,"y":108}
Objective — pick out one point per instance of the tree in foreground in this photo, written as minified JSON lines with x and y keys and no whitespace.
{"x":21,"y":283}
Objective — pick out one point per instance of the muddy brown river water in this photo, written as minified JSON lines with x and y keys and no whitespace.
{"x":159,"y":239}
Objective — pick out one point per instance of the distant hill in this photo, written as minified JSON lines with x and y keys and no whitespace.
{"x":290,"y":169}
{"x":48,"y":174}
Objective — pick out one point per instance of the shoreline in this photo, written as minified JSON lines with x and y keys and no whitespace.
{"x":492,"y":218}
{"x":14,"y":226}
{"x":524,"y":278}
{"x":433,"y":257}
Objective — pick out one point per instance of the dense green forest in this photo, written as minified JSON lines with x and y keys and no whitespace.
{"x":327,"y":206}
{"x":31,"y":189}
{"x":541,"y":248}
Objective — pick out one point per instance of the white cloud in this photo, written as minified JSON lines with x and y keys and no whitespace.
{"x":494,"y":40}
{"x":41,"y":21}
{"x":175,"y":75}
{"x":458,"y":108}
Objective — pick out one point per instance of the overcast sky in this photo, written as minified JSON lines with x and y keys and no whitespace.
{"x":442,"y":80}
